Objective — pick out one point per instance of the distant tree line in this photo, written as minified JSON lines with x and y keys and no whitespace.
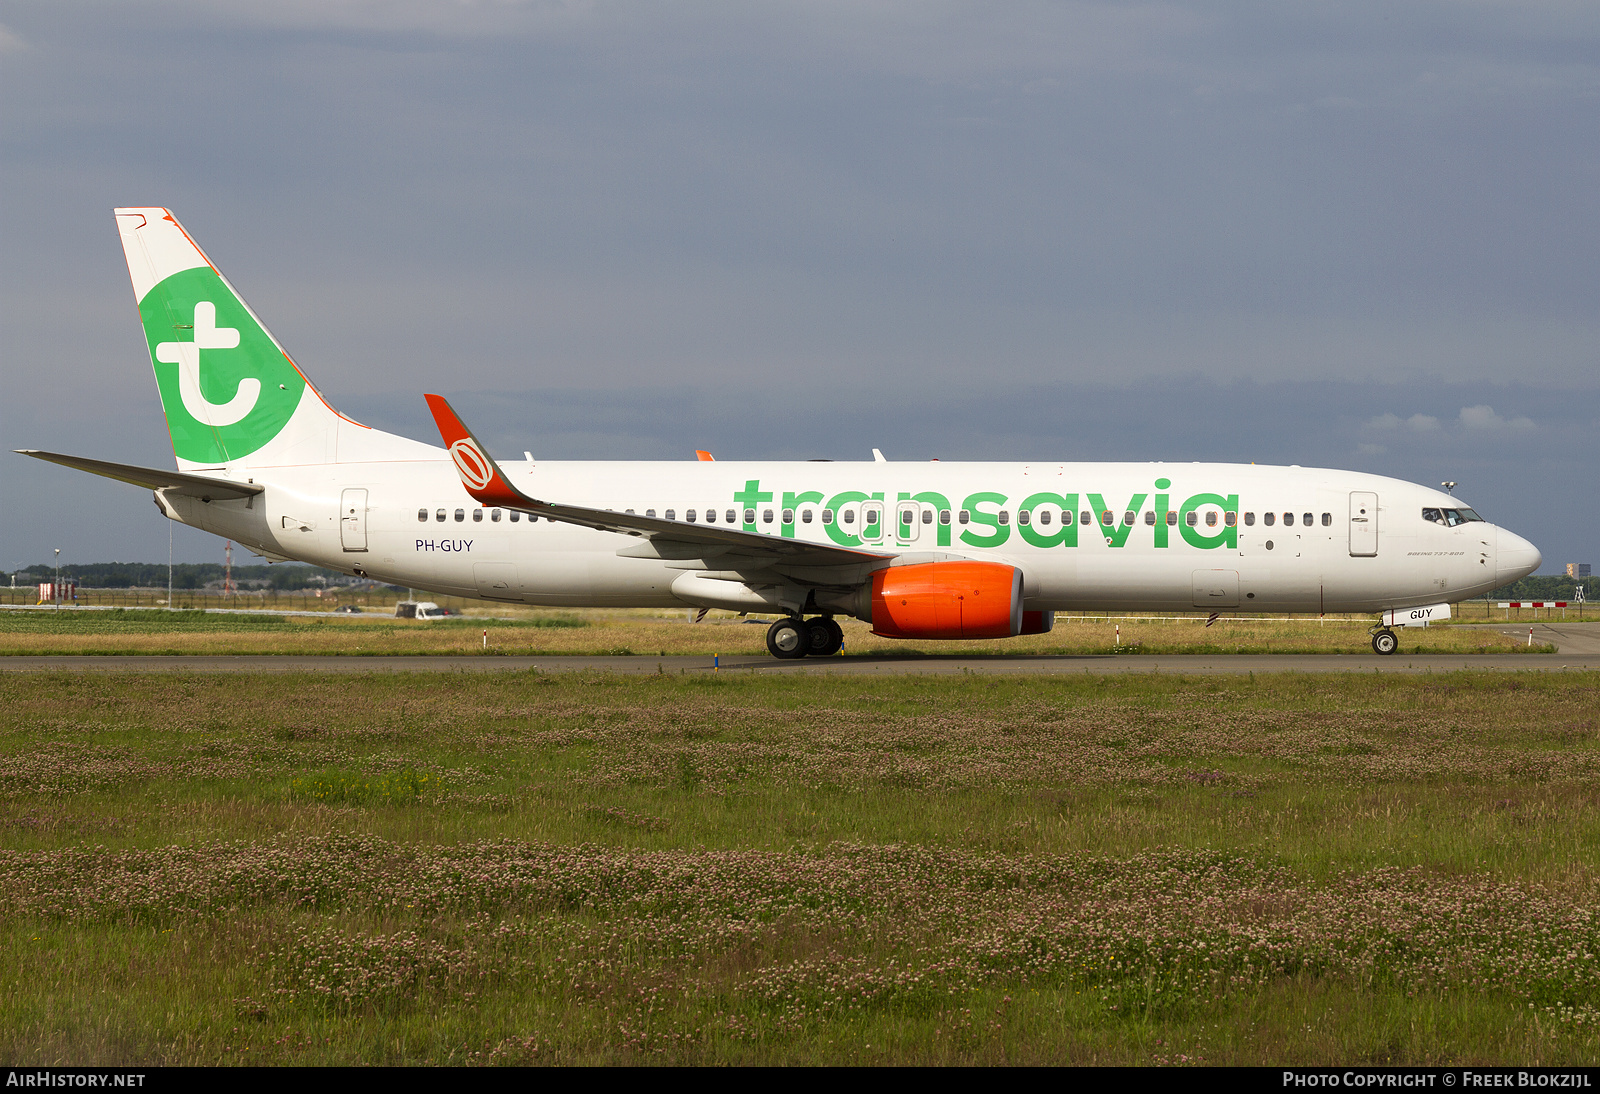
{"x":1548,"y":588}
{"x":186,"y":575}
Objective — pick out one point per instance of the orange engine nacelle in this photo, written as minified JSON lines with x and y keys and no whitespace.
{"x":947,"y":600}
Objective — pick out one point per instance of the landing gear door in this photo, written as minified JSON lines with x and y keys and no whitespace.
{"x":1363,"y":524}
{"x":353,"y":520}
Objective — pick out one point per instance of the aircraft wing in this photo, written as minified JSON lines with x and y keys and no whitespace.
{"x":173,"y":482}
{"x":734,"y":549}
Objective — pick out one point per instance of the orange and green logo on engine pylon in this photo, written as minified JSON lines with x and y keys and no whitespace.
{"x":226,"y":387}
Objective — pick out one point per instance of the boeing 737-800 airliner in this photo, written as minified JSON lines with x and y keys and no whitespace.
{"x":918,"y":550}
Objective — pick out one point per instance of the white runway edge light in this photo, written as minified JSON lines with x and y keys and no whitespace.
{"x":1416,"y":617}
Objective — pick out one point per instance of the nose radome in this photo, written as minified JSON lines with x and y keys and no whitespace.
{"x":1515,"y":557}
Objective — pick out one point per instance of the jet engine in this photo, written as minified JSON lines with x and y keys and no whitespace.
{"x":948,"y":600}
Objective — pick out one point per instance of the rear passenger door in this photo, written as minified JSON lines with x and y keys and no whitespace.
{"x":353,"y":520}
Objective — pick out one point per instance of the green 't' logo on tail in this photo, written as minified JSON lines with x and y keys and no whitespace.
{"x":226,"y":387}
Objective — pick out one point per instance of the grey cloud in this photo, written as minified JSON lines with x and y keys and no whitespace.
{"x":1419,"y":423}
{"x":1484,"y":417}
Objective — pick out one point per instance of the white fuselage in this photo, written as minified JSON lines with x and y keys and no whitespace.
{"x":1215,"y":550}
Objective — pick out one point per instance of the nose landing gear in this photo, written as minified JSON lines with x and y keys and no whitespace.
{"x":792,"y":638}
{"x":1384,"y":641}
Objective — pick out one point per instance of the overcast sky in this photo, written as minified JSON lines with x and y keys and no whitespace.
{"x":1357,"y":235}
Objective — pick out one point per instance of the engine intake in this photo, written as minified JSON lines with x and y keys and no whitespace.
{"x":947,"y":600}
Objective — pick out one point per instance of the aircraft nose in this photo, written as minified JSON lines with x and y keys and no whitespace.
{"x":1515,"y":557}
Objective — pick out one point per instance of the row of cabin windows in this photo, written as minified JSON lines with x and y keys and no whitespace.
{"x":1307,"y":519}
{"x":477,"y":514}
{"x":870,"y":517}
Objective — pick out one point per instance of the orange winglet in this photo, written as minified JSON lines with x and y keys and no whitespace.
{"x":479,"y":473}
{"x":704,"y":456}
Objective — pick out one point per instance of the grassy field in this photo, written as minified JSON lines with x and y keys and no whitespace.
{"x":600,"y":632}
{"x":530,"y":868}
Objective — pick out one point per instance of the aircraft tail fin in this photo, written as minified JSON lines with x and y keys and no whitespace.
{"x":231,"y":394}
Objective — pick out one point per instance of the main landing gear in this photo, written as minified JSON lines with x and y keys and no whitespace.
{"x":792,"y":637}
{"x":1384,"y":641}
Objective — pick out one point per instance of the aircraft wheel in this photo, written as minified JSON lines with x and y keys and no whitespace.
{"x":1385,"y":642}
{"x":826,"y":637}
{"x":789,"y":639}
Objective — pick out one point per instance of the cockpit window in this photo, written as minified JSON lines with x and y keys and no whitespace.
{"x":1449,"y":517}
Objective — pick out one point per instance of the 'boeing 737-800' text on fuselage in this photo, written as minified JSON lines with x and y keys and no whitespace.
{"x":918,"y":550}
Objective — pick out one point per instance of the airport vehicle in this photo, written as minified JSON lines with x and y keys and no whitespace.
{"x":919,"y":550}
{"x":424,"y":609}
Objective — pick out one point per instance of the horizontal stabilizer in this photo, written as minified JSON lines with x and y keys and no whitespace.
{"x":173,"y":482}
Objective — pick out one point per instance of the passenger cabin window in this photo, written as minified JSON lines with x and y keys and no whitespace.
{"x":477,"y":515}
{"x":1230,"y":519}
{"x":927,"y":516}
{"x":1044,"y":516}
{"x":1023,"y":517}
{"x":1005,"y":517}
{"x":1308,"y":519}
{"x":650,"y":513}
{"x":494,"y":515}
{"x":827,"y":516}
{"x":963,"y":517}
{"x":422,"y":514}
{"x":1150,"y":516}
{"x":711,"y":516}
{"x":1193,"y":518}
{"x":1129,"y":517}
{"x":905,"y":517}
{"x":1086,"y":517}
{"x":516,"y":516}
{"x":788,"y":516}
{"x":688,"y":515}
{"x":671,"y":514}
{"x":1249,"y":520}
{"x":749,"y":516}
{"x":1172,"y":517}
{"x":1211,"y":518}
{"x":805,"y":516}
{"x":849,"y":516}
{"x":766,"y":516}
{"x":439,"y":515}
{"x":1269,"y":519}
{"x":732,"y":517}
{"x":944,"y":516}
{"x":1327,"y":520}
{"x":461,"y":515}
{"x":1288,"y":520}
{"x":869,"y":518}
{"x":1107,"y":519}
